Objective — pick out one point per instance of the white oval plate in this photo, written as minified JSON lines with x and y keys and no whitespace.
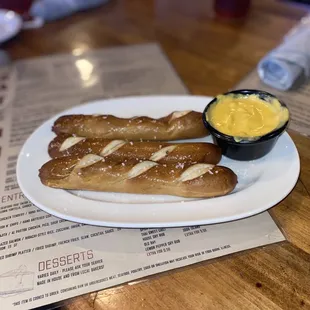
{"x":10,"y":24}
{"x":262,"y":183}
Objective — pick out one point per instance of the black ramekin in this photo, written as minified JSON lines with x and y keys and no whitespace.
{"x":246,"y":149}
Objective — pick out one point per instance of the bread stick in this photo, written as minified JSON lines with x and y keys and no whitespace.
{"x":161,"y":152}
{"x":176,"y":126}
{"x":93,"y":173}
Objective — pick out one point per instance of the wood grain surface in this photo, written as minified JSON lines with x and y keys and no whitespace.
{"x":211,"y":56}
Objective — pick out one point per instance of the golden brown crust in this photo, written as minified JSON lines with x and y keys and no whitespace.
{"x":146,"y":177}
{"x":186,"y":153}
{"x":175,"y":126}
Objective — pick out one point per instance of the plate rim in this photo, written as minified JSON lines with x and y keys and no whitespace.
{"x":138,"y":224}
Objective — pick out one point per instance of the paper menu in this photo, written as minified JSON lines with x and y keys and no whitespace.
{"x":68,"y":259}
{"x":44,"y":259}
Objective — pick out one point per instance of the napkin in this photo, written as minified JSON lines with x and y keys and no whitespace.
{"x":288,"y":62}
{"x":50,"y":10}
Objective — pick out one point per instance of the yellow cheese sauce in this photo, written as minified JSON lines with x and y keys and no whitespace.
{"x":246,"y":116}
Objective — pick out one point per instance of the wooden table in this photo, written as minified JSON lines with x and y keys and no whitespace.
{"x":210,"y":56}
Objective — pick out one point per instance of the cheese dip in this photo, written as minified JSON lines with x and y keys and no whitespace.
{"x":246,"y":115}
